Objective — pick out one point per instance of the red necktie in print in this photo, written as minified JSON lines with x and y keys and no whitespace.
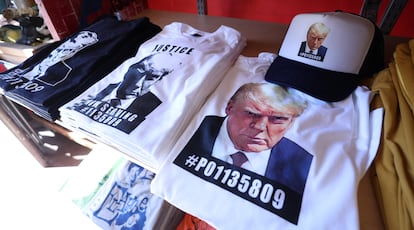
{"x":238,"y":158}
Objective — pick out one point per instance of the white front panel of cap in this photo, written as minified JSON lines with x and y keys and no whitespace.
{"x":338,"y":41}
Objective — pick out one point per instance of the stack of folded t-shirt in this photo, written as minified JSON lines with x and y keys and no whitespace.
{"x":143,"y":105}
{"x":62,"y":70}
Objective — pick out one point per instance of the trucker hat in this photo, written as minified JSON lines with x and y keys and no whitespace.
{"x":326,"y":55}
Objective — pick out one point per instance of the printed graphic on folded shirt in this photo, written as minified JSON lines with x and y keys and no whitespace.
{"x":279,"y":190}
{"x":26,"y":78}
{"x":125,"y":104}
{"x":125,"y":200}
{"x":125,"y":120}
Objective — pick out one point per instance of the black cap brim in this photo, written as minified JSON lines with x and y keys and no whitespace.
{"x":323,"y":84}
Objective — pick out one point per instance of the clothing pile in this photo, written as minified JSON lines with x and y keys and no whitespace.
{"x":142,"y":107}
{"x":62,"y":70}
{"x":393,"y":166}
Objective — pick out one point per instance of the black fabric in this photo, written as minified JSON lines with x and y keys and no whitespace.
{"x":63,"y":81}
{"x":374,"y":61}
{"x":327,"y":85}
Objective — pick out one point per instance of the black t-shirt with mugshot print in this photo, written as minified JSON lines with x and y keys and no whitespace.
{"x":64,"y":69}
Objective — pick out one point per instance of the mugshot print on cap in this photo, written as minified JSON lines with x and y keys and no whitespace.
{"x":312,"y":48}
{"x":327,"y":54}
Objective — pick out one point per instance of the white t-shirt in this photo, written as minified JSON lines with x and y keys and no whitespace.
{"x":124,"y":201}
{"x":339,"y":141}
{"x":183,"y":66}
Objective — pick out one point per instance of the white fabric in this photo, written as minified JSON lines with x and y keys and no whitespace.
{"x":349,"y":40}
{"x":196,"y":61}
{"x":342,"y":137}
{"x":124,"y":201}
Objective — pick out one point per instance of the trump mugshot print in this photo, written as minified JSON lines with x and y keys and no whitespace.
{"x":313,"y":47}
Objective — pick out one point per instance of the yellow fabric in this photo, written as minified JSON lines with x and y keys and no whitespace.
{"x":394,"y":164}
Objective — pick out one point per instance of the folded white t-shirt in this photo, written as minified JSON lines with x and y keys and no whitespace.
{"x":336,"y":141}
{"x":181,"y":67}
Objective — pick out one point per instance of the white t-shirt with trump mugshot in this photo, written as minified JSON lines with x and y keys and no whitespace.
{"x":339,"y":141}
{"x":182,"y":64}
